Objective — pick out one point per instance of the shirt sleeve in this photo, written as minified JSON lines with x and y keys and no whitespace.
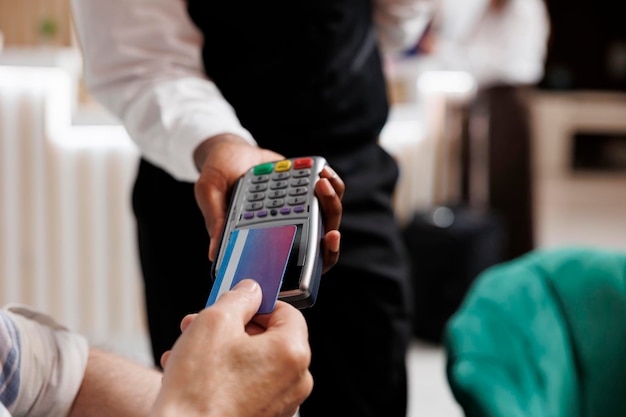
{"x":497,"y":47}
{"x":142,"y":61}
{"x":400,"y":23}
{"x":9,"y":361}
{"x":43,"y":364}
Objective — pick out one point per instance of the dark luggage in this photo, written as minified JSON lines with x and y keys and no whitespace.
{"x":445,"y":257}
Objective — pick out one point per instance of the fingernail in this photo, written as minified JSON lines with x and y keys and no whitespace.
{"x":246,"y":285}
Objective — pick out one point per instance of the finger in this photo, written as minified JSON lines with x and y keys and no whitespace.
{"x":216,"y":215}
{"x":334,"y":179}
{"x":212,"y":203}
{"x":284,"y":318}
{"x":330,"y":204}
{"x":332,"y":241}
{"x":186,"y":321}
{"x":164,"y":358}
{"x":242,"y":301}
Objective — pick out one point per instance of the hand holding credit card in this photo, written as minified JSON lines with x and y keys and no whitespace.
{"x":260,"y":254}
{"x":273,"y":233}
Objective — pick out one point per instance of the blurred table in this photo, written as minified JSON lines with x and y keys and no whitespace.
{"x":405,"y":138}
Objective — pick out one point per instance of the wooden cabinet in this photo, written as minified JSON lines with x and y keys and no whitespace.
{"x":35,"y":22}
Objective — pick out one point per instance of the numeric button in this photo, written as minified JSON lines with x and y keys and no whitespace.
{"x":277,"y":193}
{"x":277,"y":176}
{"x":302,"y":173}
{"x":300,"y":182}
{"x":298,"y":191}
{"x":254,"y":206}
{"x":257,"y":187}
{"x":260,"y":178}
{"x":296,"y":200}
{"x":278,"y":185}
{"x":275,"y":203}
{"x":255,"y":196}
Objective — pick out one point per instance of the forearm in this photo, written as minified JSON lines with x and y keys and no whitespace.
{"x":114,"y":386}
{"x":146,"y":69}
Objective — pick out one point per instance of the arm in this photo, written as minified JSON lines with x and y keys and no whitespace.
{"x":226,"y":363}
{"x":230,"y":363}
{"x":114,"y":386}
{"x":142,"y":61}
{"x":55,"y":373}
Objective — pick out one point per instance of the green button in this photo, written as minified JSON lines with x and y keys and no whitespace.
{"x":263,"y":169}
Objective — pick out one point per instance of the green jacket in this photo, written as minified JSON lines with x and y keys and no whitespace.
{"x":543,"y":336}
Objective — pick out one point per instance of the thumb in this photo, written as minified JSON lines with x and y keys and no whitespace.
{"x":243,"y":300}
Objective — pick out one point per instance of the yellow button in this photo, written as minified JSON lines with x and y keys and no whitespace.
{"x":283,"y":165}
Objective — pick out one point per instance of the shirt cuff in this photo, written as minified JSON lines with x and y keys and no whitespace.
{"x":181,"y":163}
{"x":52,"y":364}
{"x":170,"y":120}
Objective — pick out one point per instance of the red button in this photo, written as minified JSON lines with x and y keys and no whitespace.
{"x":303,"y":163}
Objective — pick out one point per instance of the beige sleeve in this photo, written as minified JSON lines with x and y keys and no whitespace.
{"x":52,"y":361}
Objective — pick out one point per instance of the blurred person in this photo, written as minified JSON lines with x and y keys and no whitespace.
{"x":207,"y":90}
{"x":227,"y":362}
{"x":503,"y":44}
{"x":500,"y":42}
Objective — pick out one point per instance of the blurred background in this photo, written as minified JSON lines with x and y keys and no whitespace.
{"x":532,"y":132}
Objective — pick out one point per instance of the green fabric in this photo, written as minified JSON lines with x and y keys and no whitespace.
{"x":543,"y":336}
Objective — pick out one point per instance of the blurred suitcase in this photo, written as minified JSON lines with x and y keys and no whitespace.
{"x":448,"y":247}
{"x":450,"y":244}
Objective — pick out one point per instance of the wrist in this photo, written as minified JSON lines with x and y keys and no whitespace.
{"x":176,"y":409}
{"x":205,"y":148}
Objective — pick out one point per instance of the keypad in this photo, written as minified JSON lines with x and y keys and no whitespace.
{"x":278,"y":189}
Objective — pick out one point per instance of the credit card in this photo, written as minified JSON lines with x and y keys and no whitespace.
{"x":260,"y":254}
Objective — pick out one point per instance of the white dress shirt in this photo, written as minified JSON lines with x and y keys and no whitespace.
{"x":143,"y":63}
{"x":507,"y":46}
